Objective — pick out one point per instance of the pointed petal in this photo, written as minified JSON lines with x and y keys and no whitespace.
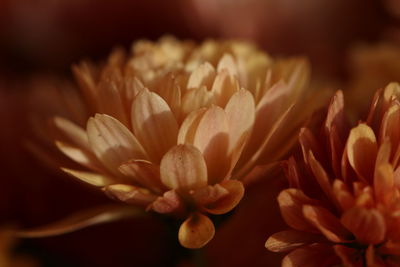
{"x":154,"y":124}
{"x":112,"y":142}
{"x":368,"y":225}
{"x":212,"y":139}
{"x":196,"y":231}
{"x":289,"y":240}
{"x":362,"y":150}
{"x":81,"y":220}
{"x":342,"y":194}
{"x":130,"y":194}
{"x":183,"y":168}
{"x":224,"y":204}
{"x":144,"y":173}
{"x":90,"y":177}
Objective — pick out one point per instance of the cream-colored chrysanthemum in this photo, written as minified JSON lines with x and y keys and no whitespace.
{"x":178,"y":126}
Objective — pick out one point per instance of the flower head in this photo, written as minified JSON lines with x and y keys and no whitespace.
{"x":343,"y":202}
{"x":178,"y":126}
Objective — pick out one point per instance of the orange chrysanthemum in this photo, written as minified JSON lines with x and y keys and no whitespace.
{"x":178,"y":126}
{"x":343,"y":204}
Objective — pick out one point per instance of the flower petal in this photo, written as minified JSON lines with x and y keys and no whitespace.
{"x":240,"y":112}
{"x":362,"y":150}
{"x":203,"y":75}
{"x":154,"y":124}
{"x":212,"y":139}
{"x":112,"y":142}
{"x":72,"y":132}
{"x":291,"y":203}
{"x":196,"y":231}
{"x":228,"y":63}
{"x":170,"y":202}
{"x":145,"y":173}
{"x":368,"y":225}
{"x":81,"y":220}
{"x":183,"y":168}
{"x":79,"y":155}
{"x":196,"y":98}
{"x":327,"y":223}
{"x":224,"y":204}
{"x":314,"y":255}
{"x":130,"y":194}
{"x":224,"y":87}
{"x":290,"y":239}
{"x":90,"y":177}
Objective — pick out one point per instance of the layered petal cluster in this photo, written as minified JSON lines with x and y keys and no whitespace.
{"x":343,"y":203}
{"x":177,"y":126}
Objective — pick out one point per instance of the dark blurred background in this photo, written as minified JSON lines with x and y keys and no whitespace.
{"x":46,"y":36}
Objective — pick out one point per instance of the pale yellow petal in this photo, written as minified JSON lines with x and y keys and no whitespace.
{"x":224,"y":87}
{"x":130,"y":194}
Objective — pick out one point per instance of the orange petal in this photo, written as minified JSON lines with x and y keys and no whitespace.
{"x":112,"y":142}
{"x":90,"y":177}
{"x":335,"y":116}
{"x":343,"y":195}
{"x":203,"y":75}
{"x":289,"y":240}
{"x":368,"y":225}
{"x":130,"y":194}
{"x":145,"y":173}
{"x":362,"y":150}
{"x":154,"y":124}
{"x":212,"y":139}
{"x":321,"y":177}
{"x":226,"y":203}
{"x":390,"y":126}
{"x":81,"y":220}
{"x":384,"y":183}
{"x":327,"y":223}
{"x":291,"y":203}
{"x":196,"y":231}
{"x":183,"y":168}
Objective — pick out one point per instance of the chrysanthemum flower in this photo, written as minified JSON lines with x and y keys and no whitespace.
{"x":178,"y":126}
{"x":343,"y":203}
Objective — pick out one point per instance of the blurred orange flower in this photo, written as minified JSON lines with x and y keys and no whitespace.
{"x":179,"y":126}
{"x":343,"y":202}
